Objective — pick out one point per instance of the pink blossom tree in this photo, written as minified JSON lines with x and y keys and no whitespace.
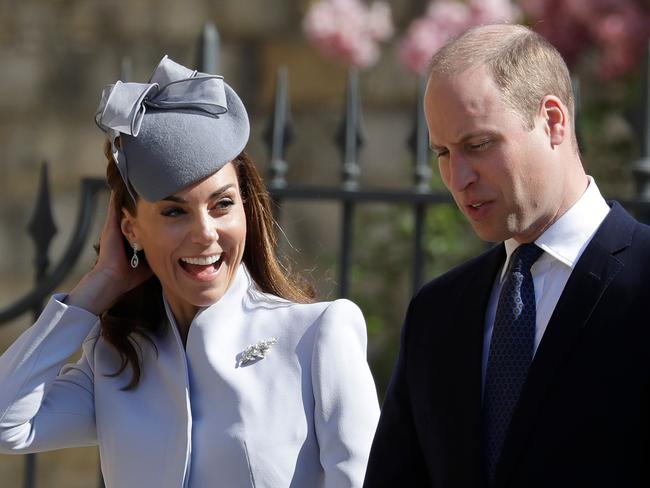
{"x":616,"y":30}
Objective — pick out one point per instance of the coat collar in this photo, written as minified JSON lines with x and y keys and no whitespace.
{"x":594,"y":271}
{"x":233,"y":297}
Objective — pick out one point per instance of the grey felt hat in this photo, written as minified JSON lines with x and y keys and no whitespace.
{"x":175,"y":130}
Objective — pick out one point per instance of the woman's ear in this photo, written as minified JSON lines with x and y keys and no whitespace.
{"x":128,"y":227}
{"x":556,"y":118}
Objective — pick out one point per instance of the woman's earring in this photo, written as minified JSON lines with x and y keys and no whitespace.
{"x":134,"y":259}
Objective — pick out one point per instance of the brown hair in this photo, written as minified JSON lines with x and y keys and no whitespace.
{"x":141,"y":310}
{"x":524,"y":65}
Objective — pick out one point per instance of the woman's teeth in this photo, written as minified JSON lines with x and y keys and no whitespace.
{"x":202,"y":260}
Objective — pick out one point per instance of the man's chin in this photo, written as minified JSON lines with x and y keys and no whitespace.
{"x":490,"y":234}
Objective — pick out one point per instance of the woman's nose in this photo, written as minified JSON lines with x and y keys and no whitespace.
{"x":204,"y":230}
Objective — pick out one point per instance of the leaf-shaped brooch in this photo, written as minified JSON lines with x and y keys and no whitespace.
{"x":255,"y":352}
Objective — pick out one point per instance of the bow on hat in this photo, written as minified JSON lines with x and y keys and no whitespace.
{"x":171,"y":87}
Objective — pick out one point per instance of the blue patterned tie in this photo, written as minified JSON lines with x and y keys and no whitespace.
{"x":511,"y":351}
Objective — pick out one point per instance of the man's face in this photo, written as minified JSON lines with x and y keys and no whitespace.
{"x":503,"y":177}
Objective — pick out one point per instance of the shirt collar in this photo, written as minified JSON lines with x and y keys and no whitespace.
{"x":568,"y":236}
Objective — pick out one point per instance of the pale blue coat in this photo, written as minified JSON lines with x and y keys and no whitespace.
{"x":303,"y":417}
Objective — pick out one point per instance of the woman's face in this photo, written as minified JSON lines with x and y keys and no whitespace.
{"x":193,"y":240}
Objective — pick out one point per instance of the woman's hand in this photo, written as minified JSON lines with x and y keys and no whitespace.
{"x":112,"y":275}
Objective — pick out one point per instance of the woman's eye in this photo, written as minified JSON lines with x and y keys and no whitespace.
{"x":224,"y":204}
{"x":172,"y":212}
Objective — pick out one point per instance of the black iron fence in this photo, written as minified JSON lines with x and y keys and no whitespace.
{"x":348,"y":194}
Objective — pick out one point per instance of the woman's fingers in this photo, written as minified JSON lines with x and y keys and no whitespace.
{"x":112,"y":256}
{"x":112,"y":275}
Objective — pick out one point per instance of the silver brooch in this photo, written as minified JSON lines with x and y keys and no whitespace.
{"x":255,"y":351}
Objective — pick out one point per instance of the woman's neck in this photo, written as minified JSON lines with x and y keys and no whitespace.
{"x":183,"y":317}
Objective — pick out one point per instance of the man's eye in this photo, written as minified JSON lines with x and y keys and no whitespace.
{"x":480,"y":146}
{"x":440,"y":152}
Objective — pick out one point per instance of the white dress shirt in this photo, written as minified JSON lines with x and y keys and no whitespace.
{"x":563,"y":244}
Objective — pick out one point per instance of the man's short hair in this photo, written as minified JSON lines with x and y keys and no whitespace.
{"x":524,"y":65}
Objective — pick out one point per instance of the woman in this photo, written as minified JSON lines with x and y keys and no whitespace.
{"x":203,"y":364}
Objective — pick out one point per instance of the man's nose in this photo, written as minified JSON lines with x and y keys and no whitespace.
{"x":461,"y":172}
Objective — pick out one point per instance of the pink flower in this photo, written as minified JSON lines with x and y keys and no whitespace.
{"x":443,"y":20}
{"x":423,"y":39}
{"x":449,"y":14}
{"x":348,"y":30}
{"x":492,"y":11}
{"x":380,"y":21}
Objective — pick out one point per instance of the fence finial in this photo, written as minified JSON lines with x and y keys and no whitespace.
{"x":42,"y":227}
{"x":126,"y":69}
{"x":210,"y":59}
{"x":419,"y":142}
{"x":350,"y":136}
{"x":279,"y":133}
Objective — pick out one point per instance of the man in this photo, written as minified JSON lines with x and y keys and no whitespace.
{"x":527,"y":366}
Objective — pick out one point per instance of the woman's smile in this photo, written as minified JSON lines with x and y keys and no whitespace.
{"x":202,"y":268}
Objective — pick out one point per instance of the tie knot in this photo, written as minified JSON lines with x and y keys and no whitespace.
{"x":525,"y":256}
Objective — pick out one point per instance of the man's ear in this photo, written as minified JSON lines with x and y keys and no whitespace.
{"x":128,"y":227}
{"x":556,"y":118}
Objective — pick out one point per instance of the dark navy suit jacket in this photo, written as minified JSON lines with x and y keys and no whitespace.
{"x":583,"y":418}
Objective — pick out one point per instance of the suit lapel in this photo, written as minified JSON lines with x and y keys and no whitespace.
{"x":589,"y":280}
{"x":463,"y":359}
